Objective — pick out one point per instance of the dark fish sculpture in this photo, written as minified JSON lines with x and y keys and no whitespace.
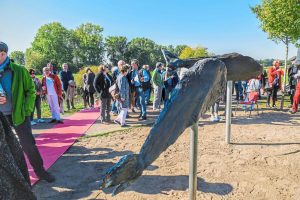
{"x":14,"y":177}
{"x":204,"y":82}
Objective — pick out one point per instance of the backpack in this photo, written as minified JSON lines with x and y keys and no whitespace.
{"x":114,"y":91}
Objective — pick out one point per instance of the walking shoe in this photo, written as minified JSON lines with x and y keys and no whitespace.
{"x":60,"y":122}
{"x":293,"y":111}
{"x":142,"y":118}
{"x":46,"y":176}
{"x":274,"y":106}
{"x":124,"y":125}
{"x":268,"y":105}
{"x":52,"y":121}
{"x":133,"y":110}
{"x":290,"y":106}
{"x":41,"y":121}
{"x":117,"y":122}
{"x":33,"y":123}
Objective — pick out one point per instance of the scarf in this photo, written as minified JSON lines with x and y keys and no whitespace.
{"x":4,"y":64}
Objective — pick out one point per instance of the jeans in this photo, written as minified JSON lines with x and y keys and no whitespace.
{"x":147,"y":95}
{"x":141,"y":101}
{"x":114,"y":107}
{"x":37,"y":105}
{"x":272,"y":93}
{"x":238,"y":90}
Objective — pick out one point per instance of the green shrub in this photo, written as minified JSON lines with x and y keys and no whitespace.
{"x":79,"y":75}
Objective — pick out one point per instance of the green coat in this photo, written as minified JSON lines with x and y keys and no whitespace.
{"x":23,"y":93}
{"x":156,"y":78}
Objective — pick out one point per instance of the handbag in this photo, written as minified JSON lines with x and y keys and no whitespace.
{"x":114,"y":91}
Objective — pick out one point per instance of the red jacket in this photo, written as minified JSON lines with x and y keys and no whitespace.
{"x":57,"y":84}
{"x":272,"y":74}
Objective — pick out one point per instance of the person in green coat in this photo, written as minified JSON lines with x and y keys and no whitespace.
{"x":158,"y":85}
{"x":17,"y":97}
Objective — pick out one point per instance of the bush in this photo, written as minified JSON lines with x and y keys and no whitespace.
{"x":79,"y":76}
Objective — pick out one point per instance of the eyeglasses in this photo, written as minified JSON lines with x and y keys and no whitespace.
{"x":32,"y":73}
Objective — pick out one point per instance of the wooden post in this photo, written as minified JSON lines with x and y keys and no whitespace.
{"x":228,"y":112}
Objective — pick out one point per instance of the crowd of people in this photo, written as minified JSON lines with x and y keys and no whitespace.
{"x":130,"y":87}
{"x":117,"y":90}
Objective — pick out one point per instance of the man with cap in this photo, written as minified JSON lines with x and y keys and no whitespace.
{"x":17,"y":97}
{"x":158,"y":85}
{"x":296,"y":99}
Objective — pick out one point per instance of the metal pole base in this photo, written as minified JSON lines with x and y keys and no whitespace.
{"x":193,"y":162}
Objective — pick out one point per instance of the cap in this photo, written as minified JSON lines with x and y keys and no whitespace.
{"x":293,"y":58}
{"x":3,"y":47}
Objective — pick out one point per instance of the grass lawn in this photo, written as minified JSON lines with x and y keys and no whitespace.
{"x":46,"y":110}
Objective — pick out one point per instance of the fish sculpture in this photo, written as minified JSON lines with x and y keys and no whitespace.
{"x":203,"y":82}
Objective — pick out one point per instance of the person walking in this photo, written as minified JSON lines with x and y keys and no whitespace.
{"x":274,"y":78}
{"x":103,"y":81}
{"x":17,"y":96}
{"x":65,"y":76}
{"x":136,"y":79}
{"x":51,"y":85}
{"x":158,"y":86}
{"x":123,"y":101}
{"x":38,"y":99}
{"x":297,"y":77}
{"x":90,"y":76}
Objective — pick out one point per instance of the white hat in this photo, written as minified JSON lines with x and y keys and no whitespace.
{"x":297,"y":61}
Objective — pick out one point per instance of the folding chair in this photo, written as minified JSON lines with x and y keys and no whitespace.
{"x":250,"y":100}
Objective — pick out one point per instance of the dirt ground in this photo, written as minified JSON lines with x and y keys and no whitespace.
{"x":263,"y":162}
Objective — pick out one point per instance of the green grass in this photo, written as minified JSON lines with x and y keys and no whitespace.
{"x":78,"y":103}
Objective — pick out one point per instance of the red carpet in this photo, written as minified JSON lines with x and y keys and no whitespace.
{"x":52,"y":143}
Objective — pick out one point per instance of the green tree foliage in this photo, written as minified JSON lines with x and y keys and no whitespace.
{"x":35,"y":60}
{"x":178,"y":49}
{"x":18,"y":56}
{"x":116,"y":48}
{"x":52,"y":42}
{"x":88,"y":46}
{"x":189,"y":52}
{"x":281,"y":20}
{"x":142,"y":49}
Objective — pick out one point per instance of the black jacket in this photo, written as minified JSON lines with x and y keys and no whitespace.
{"x":90,"y":82}
{"x":65,"y":77}
{"x":102,"y":85}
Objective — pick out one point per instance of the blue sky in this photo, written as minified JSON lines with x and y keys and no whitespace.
{"x":222,"y":26}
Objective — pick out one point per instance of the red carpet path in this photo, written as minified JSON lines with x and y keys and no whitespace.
{"x":52,"y":143}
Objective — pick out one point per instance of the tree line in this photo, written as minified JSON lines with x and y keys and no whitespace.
{"x":86,"y":46}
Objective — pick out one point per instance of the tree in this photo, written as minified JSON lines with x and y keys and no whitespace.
{"x":143,"y":49}
{"x":88,"y":46}
{"x":189,"y":52}
{"x":35,"y":60}
{"x":18,"y":56}
{"x":52,"y":43}
{"x":178,"y":49}
{"x":281,"y":20}
{"x":116,"y":48}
